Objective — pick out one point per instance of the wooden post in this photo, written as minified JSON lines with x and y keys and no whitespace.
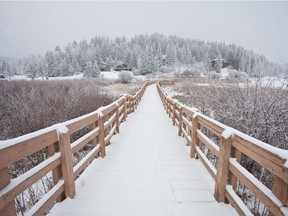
{"x":280,"y":190}
{"x":8,"y":209}
{"x":102,"y":136}
{"x":235,"y":153}
{"x":117,"y":120}
{"x":180,"y":122}
{"x":125,"y":109}
{"x":66,"y":163}
{"x":195,"y":140}
{"x":223,"y":168}
{"x":94,"y":140}
{"x":56,"y":172}
{"x":174,"y":113}
{"x":131,"y":104}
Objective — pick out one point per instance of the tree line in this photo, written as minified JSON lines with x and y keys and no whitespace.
{"x":143,"y":54}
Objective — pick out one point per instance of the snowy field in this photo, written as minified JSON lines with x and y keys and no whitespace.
{"x":113,"y":75}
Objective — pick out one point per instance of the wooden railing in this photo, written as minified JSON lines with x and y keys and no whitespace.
{"x":101,"y":125}
{"x":228,"y":146}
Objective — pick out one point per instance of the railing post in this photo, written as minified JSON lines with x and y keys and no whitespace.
{"x":280,"y":190}
{"x":56,"y":172}
{"x":66,"y":163}
{"x":93,"y":126}
{"x":9,"y":209}
{"x":125,"y":109}
{"x":180,"y":122}
{"x":131,"y":104}
{"x":117,"y":119}
{"x":235,"y":153}
{"x":174,"y":113}
{"x":223,"y":168}
{"x":195,"y":140}
{"x":102,"y":136}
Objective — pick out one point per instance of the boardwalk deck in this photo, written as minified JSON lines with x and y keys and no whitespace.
{"x":147,"y":171}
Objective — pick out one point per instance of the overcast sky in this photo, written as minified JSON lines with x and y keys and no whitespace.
{"x":35,"y":27}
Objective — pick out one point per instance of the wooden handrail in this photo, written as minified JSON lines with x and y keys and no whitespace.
{"x":232,"y":144}
{"x":103,"y":124}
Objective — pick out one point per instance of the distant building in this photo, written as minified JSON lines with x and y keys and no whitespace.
{"x":224,"y":63}
{"x":104,"y":67}
{"x":122,"y":67}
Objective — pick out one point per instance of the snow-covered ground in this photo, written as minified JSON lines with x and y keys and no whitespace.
{"x":147,"y":171}
{"x":24,"y":77}
{"x":113,"y":75}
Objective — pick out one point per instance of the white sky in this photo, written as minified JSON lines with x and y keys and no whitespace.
{"x":35,"y":27}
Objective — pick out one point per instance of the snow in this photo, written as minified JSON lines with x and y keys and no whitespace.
{"x":147,"y":171}
{"x":110,"y":74}
{"x":16,"y":181}
{"x":113,"y":75}
{"x":271,"y":82}
{"x":224,"y":73}
{"x":256,"y":182}
{"x":227,"y":133}
{"x":208,"y":140}
{"x":45,"y":198}
{"x":24,"y":77}
{"x":239,"y":202}
{"x":75,"y":168}
{"x":81,"y":139}
{"x":206,"y":160}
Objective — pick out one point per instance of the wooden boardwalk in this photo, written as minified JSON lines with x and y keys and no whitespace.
{"x":147,"y":171}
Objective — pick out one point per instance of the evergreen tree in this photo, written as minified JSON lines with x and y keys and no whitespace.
{"x":171,"y":55}
{"x":91,"y":70}
{"x":50,"y":61}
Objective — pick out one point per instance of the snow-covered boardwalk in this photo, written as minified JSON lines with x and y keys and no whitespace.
{"x":147,"y":171}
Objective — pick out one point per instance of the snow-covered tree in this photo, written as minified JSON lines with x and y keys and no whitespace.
{"x":91,"y":70}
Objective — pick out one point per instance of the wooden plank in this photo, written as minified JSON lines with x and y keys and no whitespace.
{"x":23,"y":149}
{"x":269,"y":162}
{"x":188,"y":112}
{"x":222,"y":168}
{"x":180,"y":122}
{"x":256,"y":187}
{"x":14,"y":190}
{"x":109,"y":121}
{"x":235,"y":153}
{"x":108,"y":109}
{"x":117,"y":120}
{"x":80,"y":124}
{"x":280,"y":190}
{"x":209,"y":143}
{"x":211,"y":126}
{"x":7,"y":208}
{"x":210,"y":168}
{"x":88,"y":160}
{"x":236,"y":202}
{"x":57,"y":171}
{"x":67,"y":166}
{"x":52,"y":195}
{"x":110,"y":135}
{"x":102,"y":137}
{"x":186,"y":122}
{"x":195,"y":140}
{"x":79,"y":143}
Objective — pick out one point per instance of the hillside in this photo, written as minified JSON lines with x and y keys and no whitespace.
{"x":144,"y":54}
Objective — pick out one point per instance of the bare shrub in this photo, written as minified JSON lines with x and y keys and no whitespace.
{"x":125,"y":77}
{"x":29,"y":106}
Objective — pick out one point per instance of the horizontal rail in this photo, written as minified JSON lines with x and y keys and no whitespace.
{"x":227,"y":171}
